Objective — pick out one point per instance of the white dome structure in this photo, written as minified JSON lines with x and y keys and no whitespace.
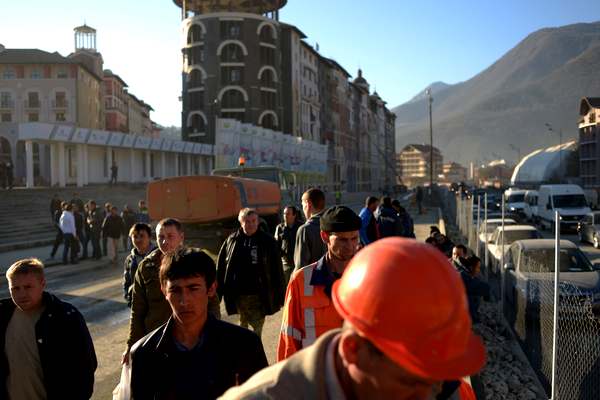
{"x":542,"y":165}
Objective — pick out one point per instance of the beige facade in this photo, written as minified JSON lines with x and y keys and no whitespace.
{"x":48,"y":92}
{"x":415,"y":164}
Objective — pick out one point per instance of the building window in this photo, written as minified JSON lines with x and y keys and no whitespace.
{"x":9,"y":73}
{"x":232,"y":52}
{"x":62,"y":74}
{"x":268,"y":122}
{"x":267,"y":56}
{"x":233,"y":99}
{"x":195,"y":34}
{"x":195,"y":79}
{"x":267,"y":79}
{"x":268,"y":100}
{"x":231,"y":29}
{"x":231,"y":75}
{"x":196,"y":55}
{"x":33,"y":117}
{"x":6,"y":100}
{"x":60,"y":117}
{"x":198,"y":125}
{"x":6,"y":117}
{"x":33,"y":100}
{"x":196,"y":100}
{"x":60,"y":100}
{"x":35,"y":74}
{"x":266,"y":34}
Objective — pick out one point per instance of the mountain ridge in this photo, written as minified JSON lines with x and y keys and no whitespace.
{"x":540,"y":80}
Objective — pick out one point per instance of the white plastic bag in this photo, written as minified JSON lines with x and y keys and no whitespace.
{"x":123,"y":389}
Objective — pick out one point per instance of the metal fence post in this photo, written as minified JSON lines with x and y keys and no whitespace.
{"x":501,"y":267}
{"x":485,"y":247}
{"x":478,"y":222}
{"x":556,"y":297}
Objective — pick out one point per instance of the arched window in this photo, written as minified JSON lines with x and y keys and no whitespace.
{"x":267,"y":78}
{"x":269,"y":122}
{"x":232,"y":52}
{"x":233,"y":99}
{"x":195,"y":79}
{"x":267,"y":33}
{"x":195,"y":34}
{"x":197,"y":124}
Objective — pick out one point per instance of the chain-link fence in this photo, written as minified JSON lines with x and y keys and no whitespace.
{"x":523,"y":283}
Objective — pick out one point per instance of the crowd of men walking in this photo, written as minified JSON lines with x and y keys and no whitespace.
{"x":367,"y":312}
{"x":80,"y":225}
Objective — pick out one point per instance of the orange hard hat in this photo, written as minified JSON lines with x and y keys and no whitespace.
{"x":408,"y":300}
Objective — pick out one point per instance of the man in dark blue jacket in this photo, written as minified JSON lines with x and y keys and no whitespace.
{"x":46,"y":348}
{"x":388,"y":222}
{"x":193,"y":355}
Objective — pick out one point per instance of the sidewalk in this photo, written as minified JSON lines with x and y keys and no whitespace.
{"x":43,"y":252}
{"x":424,"y":221}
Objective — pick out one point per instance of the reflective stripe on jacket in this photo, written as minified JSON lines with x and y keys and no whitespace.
{"x":308,"y":311}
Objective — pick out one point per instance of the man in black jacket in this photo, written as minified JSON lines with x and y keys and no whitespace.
{"x":193,"y":355}
{"x":285,"y":234}
{"x":94,"y":219}
{"x":250,"y":274}
{"x":309,"y":246}
{"x":387,"y":219}
{"x":46,"y":348}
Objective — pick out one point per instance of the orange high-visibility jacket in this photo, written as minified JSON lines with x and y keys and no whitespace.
{"x":308,"y":312}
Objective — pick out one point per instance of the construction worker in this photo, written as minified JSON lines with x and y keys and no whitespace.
{"x":308,"y":311}
{"x":406,"y":331}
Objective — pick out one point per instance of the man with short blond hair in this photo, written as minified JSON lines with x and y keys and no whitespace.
{"x":46,"y":348}
{"x":250,"y":273}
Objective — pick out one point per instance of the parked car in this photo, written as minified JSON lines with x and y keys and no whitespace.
{"x":568,"y":200}
{"x":515,"y":201}
{"x":511,"y":233}
{"x":486,"y":234}
{"x":531,"y":206}
{"x":529,"y":277}
{"x":588,"y":229}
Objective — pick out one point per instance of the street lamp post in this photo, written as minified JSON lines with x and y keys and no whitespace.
{"x":550,"y":129}
{"x":518,"y":150}
{"x":430,"y":142}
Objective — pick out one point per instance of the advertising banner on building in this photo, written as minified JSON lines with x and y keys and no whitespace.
{"x":261,"y":146}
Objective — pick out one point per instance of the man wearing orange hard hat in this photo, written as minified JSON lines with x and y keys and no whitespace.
{"x":406,"y":331}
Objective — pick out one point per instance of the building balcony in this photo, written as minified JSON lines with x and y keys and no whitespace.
{"x":60,"y":104}
{"x":7,"y":104}
{"x":32,"y":104}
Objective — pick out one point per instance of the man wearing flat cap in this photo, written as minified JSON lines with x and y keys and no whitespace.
{"x":308,"y":311}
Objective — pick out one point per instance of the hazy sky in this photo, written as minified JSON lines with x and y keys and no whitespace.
{"x":402,"y":46}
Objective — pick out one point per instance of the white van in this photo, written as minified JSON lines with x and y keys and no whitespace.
{"x":515,"y":201}
{"x":531,"y":206}
{"x":568,"y":200}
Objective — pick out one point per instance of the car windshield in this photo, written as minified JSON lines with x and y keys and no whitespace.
{"x":511,"y":236}
{"x":491,"y":226}
{"x":516,"y":198}
{"x":569,"y":201}
{"x":542,"y":260}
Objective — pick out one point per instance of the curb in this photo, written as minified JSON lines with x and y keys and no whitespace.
{"x":5,"y":248}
